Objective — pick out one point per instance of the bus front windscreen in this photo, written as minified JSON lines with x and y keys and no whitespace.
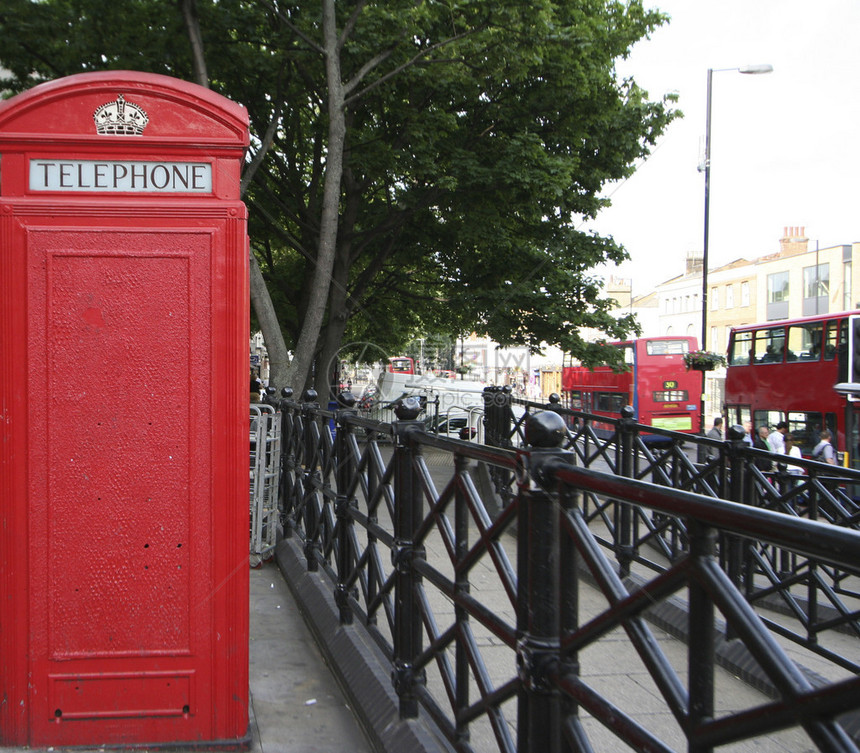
{"x":666,"y":347}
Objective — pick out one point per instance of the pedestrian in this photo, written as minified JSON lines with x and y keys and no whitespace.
{"x":716,"y":431}
{"x":760,"y":443}
{"x":776,"y":439}
{"x":706,"y":452}
{"x":793,"y":451}
{"x":792,"y":472}
{"x":748,"y":433}
{"x":824,"y":450}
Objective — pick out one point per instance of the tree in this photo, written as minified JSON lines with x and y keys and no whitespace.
{"x":418,"y":166}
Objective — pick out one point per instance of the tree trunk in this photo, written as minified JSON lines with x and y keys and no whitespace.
{"x":192,"y":25}
{"x":312,"y":325}
{"x":267,"y":317}
{"x":332,"y":335}
{"x":260,"y":298}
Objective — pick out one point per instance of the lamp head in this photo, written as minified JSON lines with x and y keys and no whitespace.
{"x":756,"y":69}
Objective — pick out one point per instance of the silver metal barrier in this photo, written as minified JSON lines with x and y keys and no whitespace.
{"x":265,"y":472}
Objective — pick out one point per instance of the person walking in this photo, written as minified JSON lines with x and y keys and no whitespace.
{"x":792,"y":473}
{"x":824,"y":450}
{"x":776,"y":439}
{"x":716,"y":431}
{"x":706,"y":452}
{"x":760,"y":443}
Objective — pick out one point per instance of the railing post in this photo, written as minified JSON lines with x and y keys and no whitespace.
{"x":538,"y":596}
{"x":570,"y":564}
{"x":497,"y":433}
{"x":289,"y":461}
{"x":702,"y":633}
{"x":624,"y":546}
{"x":344,"y":472}
{"x":733,"y":548}
{"x":554,"y":403}
{"x":408,"y":508}
{"x":461,"y":586}
{"x":309,"y":511}
{"x":497,"y":416}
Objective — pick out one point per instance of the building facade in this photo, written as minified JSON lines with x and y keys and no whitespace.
{"x":800,"y":279}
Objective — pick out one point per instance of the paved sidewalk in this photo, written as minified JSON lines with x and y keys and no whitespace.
{"x":297,"y":706}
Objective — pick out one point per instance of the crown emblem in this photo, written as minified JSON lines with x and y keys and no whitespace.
{"x":120,"y":118}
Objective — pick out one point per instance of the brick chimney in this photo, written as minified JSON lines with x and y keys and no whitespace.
{"x":793,"y":241}
{"x":694,"y":263}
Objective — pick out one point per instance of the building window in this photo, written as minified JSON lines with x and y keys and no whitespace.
{"x":777,"y":296}
{"x":745,"y":294}
{"x":777,"y":287}
{"x":715,"y":299}
{"x":847,"y":291}
{"x":713,"y":344}
{"x":816,"y":281}
{"x":816,"y":289}
{"x":730,"y":296}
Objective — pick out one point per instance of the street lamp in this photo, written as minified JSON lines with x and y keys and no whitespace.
{"x":749,"y":70}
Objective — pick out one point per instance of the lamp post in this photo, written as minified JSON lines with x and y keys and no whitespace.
{"x":749,"y":70}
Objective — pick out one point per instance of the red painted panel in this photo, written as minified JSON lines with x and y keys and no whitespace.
{"x":82,"y":696}
{"x":119,"y":469}
{"x":120,"y":336}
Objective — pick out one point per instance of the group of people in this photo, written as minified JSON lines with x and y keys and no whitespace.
{"x":780,"y":441}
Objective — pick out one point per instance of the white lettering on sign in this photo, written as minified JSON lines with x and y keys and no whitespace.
{"x":111,"y":176}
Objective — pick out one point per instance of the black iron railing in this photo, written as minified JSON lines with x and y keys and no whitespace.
{"x":469,"y":567}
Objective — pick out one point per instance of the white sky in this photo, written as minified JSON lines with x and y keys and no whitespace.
{"x":785,"y":146}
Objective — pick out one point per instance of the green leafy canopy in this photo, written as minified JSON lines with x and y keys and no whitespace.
{"x":479,"y":137}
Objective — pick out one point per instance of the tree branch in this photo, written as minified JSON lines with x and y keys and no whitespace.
{"x":350,"y":25}
{"x":293,"y":28}
{"x":268,"y":138}
{"x":373,"y":62}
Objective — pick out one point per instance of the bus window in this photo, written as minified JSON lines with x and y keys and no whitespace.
{"x":804,"y":342}
{"x":666,"y":347}
{"x":741,"y":349}
{"x":831,"y":344}
{"x":575,"y":402}
{"x":769,"y":418}
{"x":769,"y":345}
{"x":609,"y":402}
{"x":738,"y":414}
{"x":805,"y":427}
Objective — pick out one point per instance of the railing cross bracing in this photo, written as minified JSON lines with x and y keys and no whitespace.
{"x":498,"y":581}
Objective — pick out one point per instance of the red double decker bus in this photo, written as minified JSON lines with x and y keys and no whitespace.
{"x":401,"y":365}
{"x":657,"y":384}
{"x":788,"y":371}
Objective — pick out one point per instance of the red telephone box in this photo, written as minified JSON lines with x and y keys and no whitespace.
{"x":123,"y":404}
